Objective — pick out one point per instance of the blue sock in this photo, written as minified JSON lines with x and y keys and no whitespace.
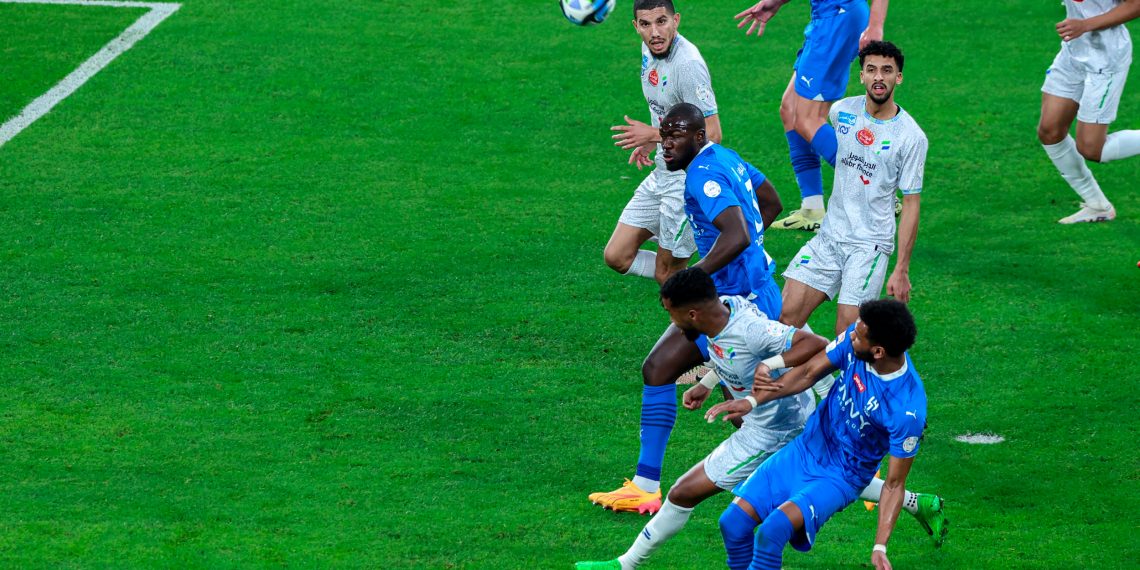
{"x":770,"y":540}
{"x":825,"y":143}
{"x":805,"y":163}
{"x":658,"y":413}
{"x":736,"y":527}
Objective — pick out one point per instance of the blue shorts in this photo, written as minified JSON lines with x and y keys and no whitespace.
{"x":831,"y":43}
{"x":792,"y":475}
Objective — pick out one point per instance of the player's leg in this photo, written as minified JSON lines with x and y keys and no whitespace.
{"x":1061,"y":94}
{"x":811,"y":278}
{"x":1099,"y":104}
{"x":926,"y":508}
{"x":798,"y":520}
{"x":805,"y":165}
{"x":864,"y":274}
{"x":671,"y":356}
{"x":675,"y":243}
{"x":638,"y":222}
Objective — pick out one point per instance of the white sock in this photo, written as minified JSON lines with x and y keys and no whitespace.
{"x":824,"y":385}
{"x":875,"y":490}
{"x":1074,"y":170}
{"x":1121,"y":144}
{"x":644,"y":264}
{"x":812,"y":203}
{"x":647,"y":485}
{"x":663,"y":526}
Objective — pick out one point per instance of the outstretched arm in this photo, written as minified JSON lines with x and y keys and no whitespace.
{"x":898,"y":286}
{"x":1073,"y":28}
{"x":878,"y":19}
{"x":890,"y":503}
{"x":797,"y":380}
{"x":759,"y":15}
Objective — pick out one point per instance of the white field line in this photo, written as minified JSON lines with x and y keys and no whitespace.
{"x":39,"y":107}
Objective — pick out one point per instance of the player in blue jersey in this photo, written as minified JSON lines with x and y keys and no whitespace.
{"x":877,"y":408}
{"x":729,"y":203}
{"x":837,"y":31}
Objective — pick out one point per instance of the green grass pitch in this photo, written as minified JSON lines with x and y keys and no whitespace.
{"x":319,"y":284}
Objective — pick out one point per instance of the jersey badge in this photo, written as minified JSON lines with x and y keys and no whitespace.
{"x":712,"y":189}
{"x":865,"y":136}
{"x":722,"y":353}
{"x":644,"y":62}
{"x":653,"y":78}
{"x":858,"y":383}
{"x":704,"y":94}
{"x":910,"y":443}
{"x":884,"y":147}
{"x":871,"y":406}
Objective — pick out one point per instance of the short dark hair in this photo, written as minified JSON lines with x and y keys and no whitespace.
{"x":889,"y":325}
{"x":689,"y":113}
{"x":639,"y":5}
{"x":688,"y":287}
{"x":885,"y":49}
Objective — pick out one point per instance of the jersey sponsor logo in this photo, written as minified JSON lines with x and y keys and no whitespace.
{"x":740,"y":173}
{"x":712,"y":189}
{"x":866,"y":167}
{"x":807,"y":80}
{"x":910,"y":443}
{"x":644,"y":62}
{"x":865,"y":137}
{"x":847,"y":118}
{"x":858,"y":383}
{"x":653,"y":78}
{"x":871,"y":406}
{"x":912,"y":414}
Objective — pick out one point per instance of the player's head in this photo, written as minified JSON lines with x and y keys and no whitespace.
{"x":656,"y":22}
{"x":885,"y":329}
{"x":880,"y":69}
{"x":682,"y":135}
{"x":687,"y":295}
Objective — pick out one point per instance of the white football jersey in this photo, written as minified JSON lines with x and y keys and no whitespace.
{"x":875,"y":158}
{"x":748,"y":338}
{"x":1107,"y":49}
{"x":680,"y":77}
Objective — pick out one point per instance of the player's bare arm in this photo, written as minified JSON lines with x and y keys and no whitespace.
{"x":805,"y":345}
{"x":898,"y":285}
{"x":759,"y":15}
{"x":878,"y":19}
{"x":769,"y":203}
{"x":712,"y":128}
{"x":731,"y":242}
{"x":635,"y":134}
{"x":795,"y":381}
{"x":890,"y":503}
{"x":1073,"y":28}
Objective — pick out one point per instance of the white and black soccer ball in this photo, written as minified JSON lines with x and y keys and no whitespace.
{"x":586,"y":12}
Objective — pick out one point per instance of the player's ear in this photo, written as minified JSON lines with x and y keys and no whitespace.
{"x":676,"y":19}
{"x":899,"y":80}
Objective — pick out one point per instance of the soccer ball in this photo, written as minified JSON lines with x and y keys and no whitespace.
{"x":586,"y":12}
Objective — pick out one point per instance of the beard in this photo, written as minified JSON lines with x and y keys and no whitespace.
{"x":867,"y":356}
{"x":879,"y":101}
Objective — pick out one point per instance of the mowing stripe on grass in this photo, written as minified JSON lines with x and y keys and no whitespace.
{"x":39,"y":107}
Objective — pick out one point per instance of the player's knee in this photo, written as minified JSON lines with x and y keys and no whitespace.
{"x":617,"y":260}
{"x":736,"y":526}
{"x":787,"y":115}
{"x":774,"y":533}
{"x":1091,"y":151}
{"x":683,"y":495}
{"x":1050,"y":134}
{"x":653,"y":373}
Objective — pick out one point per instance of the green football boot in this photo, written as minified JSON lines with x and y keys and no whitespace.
{"x":932,"y":517}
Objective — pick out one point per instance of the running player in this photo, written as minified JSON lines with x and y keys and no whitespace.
{"x":878,"y":407}
{"x":881,"y":150}
{"x":837,"y":31}
{"x":672,"y":71}
{"x":729,"y":203}
{"x":1085,"y":82}
{"x":744,"y":345}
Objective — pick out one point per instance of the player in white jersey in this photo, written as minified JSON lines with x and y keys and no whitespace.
{"x":672,"y":72}
{"x":881,"y":150}
{"x":1084,"y":83}
{"x":743,"y":345}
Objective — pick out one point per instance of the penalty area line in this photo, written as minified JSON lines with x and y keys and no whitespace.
{"x":40,"y":106}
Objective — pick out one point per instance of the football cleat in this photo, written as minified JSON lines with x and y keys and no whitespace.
{"x":932,"y":517}
{"x":692,"y":376}
{"x":606,"y":565}
{"x":1089,"y":214}
{"x":628,"y":499}
{"x":802,"y":219}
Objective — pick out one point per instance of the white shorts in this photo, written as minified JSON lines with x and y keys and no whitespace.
{"x":855,"y":272}
{"x":658,"y":205}
{"x":1098,"y":93}
{"x":738,"y":456}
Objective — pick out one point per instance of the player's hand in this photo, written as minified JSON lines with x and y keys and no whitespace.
{"x":762,"y":379}
{"x":1072,"y":28}
{"x":640,"y":156}
{"x":634,"y":134}
{"x":873,"y":33}
{"x":898,"y":286}
{"x":758,"y":16}
{"x":879,"y":561}
{"x":695,"y":397}
{"x":734,"y":409}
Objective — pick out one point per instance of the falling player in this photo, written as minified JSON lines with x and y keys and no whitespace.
{"x":672,"y":71}
{"x":1085,"y":82}
{"x":877,"y":408}
{"x":833,"y":37}
{"x":729,"y":203}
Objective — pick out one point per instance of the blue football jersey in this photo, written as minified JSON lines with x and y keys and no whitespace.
{"x":865,"y":416}
{"x":715,"y":180}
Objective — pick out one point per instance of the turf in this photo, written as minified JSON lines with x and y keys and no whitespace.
{"x":319,"y":284}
